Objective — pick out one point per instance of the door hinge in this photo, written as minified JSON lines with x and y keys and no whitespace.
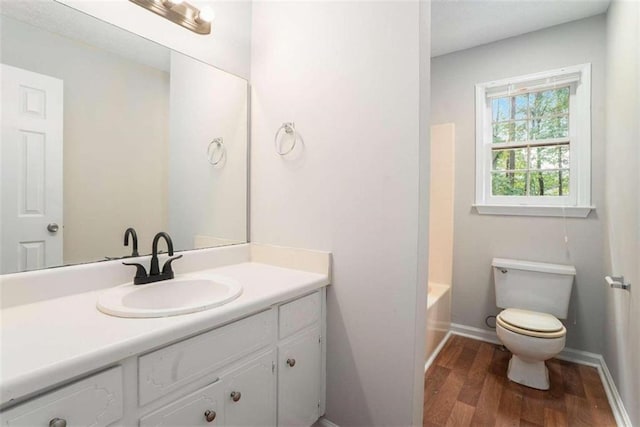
{"x":320,"y":339}
{"x":273,"y":367}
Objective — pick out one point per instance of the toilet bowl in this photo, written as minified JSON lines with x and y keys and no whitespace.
{"x":532,"y":337}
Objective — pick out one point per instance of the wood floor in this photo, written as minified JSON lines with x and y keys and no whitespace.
{"x":467,"y":385}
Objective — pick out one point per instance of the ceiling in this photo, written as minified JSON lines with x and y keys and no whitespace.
{"x":73,"y":24}
{"x":461,"y":24}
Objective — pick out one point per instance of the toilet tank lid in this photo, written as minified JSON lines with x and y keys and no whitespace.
{"x":542,"y":267}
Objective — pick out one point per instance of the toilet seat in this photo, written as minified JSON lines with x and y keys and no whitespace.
{"x":531,"y":323}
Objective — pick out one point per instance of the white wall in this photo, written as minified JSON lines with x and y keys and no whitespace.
{"x":622,"y":231}
{"x":347,"y":74}
{"x":205,"y":200}
{"x":228,"y":47}
{"x":115,"y":151}
{"x":478,"y":238}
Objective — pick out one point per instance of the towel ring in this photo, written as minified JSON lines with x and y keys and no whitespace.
{"x":289,"y":128}
{"x":216,"y":145}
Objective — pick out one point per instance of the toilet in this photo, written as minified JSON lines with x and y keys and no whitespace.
{"x":533,"y":296}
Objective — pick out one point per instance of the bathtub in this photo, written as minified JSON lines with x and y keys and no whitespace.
{"x":438,"y":315}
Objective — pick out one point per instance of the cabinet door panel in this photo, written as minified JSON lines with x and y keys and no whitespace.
{"x":299,"y":369}
{"x":191,"y":410}
{"x":254,"y":386}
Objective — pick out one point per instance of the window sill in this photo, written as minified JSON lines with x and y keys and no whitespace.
{"x":520,"y":210}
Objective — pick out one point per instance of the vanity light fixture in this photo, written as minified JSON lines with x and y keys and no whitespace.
{"x":182,"y":13}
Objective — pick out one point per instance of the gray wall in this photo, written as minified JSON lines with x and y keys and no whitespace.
{"x":622,"y":186}
{"x":348,"y":74}
{"x":478,"y":238}
{"x":206,"y":201}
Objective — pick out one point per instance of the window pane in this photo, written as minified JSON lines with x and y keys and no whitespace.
{"x":548,"y":102}
{"x":501,"y":109}
{"x":550,"y":157}
{"x":510,"y":159}
{"x":549,"y":183}
{"x":521,"y":130}
{"x":522,"y":106}
{"x":546,"y":128}
{"x":508,"y":183}
{"x":503,"y":132}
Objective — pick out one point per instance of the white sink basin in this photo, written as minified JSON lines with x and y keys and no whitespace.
{"x":181,"y":295}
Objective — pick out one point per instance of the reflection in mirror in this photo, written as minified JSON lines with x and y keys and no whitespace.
{"x":104,"y":130}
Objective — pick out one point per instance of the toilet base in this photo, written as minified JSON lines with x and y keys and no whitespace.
{"x":532,"y":374}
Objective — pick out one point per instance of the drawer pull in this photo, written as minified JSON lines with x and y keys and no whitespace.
{"x":209,"y":415}
{"x":235,"y":396}
{"x":291,"y":362}
{"x":58,"y":422}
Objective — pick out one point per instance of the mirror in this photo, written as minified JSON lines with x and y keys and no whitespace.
{"x":104,"y":130}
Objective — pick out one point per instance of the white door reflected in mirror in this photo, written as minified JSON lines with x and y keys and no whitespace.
{"x":32,"y":111}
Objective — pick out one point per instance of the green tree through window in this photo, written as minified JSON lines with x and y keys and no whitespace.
{"x":530,"y":144}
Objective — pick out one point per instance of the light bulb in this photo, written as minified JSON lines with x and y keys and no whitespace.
{"x":206,"y":15}
{"x":172,"y":3}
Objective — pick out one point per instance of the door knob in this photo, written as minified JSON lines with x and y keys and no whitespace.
{"x":235,"y":396}
{"x":53,"y":227}
{"x":291,"y":362}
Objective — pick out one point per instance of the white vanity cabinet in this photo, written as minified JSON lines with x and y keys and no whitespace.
{"x":265,"y":369}
{"x":279,"y":383}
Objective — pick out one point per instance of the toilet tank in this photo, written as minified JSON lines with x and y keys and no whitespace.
{"x":533,"y":286}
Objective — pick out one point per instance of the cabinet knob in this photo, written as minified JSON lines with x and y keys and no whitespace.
{"x":291,"y":362}
{"x":235,"y":396}
{"x":209,"y":415}
{"x":58,"y":422}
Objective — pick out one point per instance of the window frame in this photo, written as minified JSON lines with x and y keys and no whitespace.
{"x":578,"y":202}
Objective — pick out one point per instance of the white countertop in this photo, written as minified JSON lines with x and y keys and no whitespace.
{"x":51,"y":341}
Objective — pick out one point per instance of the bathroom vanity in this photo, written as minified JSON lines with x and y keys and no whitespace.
{"x":257,"y":360}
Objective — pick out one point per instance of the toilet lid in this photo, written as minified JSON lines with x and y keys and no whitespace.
{"x":531,"y":323}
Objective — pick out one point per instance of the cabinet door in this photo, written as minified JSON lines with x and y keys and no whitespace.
{"x":249,"y":393}
{"x":202,"y":408}
{"x":299,"y":369}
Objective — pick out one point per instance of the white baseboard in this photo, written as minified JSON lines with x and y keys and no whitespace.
{"x":436,"y":351}
{"x":615,"y":400}
{"x":323,"y":422}
{"x":475,"y":333}
{"x":568,"y":354}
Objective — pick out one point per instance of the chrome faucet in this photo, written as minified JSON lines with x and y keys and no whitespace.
{"x":155,"y":275}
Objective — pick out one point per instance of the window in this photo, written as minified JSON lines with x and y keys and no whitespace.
{"x":533,"y":144}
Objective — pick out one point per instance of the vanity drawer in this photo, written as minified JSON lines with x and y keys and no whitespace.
{"x":297,"y":315}
{"x":169,"y":368}
{"x":93,"y":401}
{"x":197,"y":409}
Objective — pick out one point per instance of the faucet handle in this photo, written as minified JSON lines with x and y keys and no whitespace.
{"x":141,"y":272}
{"x":166,"y":268}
